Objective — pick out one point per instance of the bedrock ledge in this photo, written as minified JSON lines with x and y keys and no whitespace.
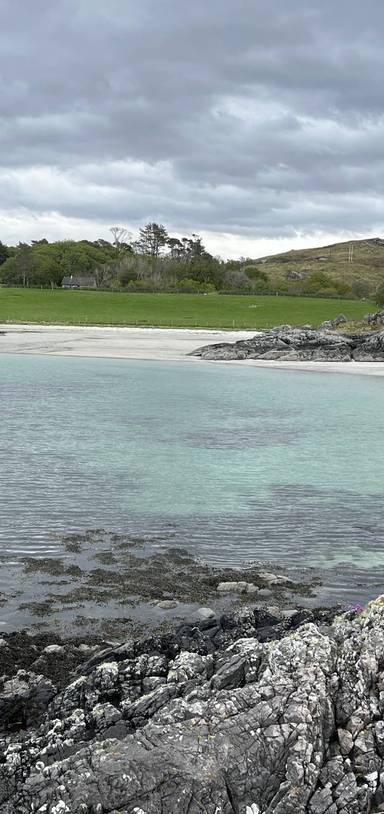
{"x":219,"y":717}
{"x":287,"y":344}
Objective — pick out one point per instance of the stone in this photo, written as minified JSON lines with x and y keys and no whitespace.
{"x":274,"y":579}
{"x":104,"y":716}
{"x":322,"y":802}
{"x":345,"y":741}
{"x":292,"y":274}
{"x":167,"y":604}
{"x":340,"y":319}
{"x":87,"y":648}
{"x":54,"y":648}
{"x":230,"y":673}
{"x":289,"y":613}
{"x":232,"y":587}
{"x":274,"y":611}
{"x":204,"y":614}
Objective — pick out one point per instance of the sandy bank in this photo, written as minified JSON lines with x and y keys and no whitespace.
{"x":158,"y":344}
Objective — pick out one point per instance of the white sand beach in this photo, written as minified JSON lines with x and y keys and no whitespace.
{"x":169,"y":344}
{"x":158,"y":344}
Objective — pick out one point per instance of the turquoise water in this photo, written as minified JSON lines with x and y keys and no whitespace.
{"x":237,"y":463}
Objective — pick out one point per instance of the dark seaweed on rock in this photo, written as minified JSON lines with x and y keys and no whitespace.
{"x":246,"y":713}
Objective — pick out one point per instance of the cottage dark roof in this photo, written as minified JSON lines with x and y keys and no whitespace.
{"x":75,"y":280}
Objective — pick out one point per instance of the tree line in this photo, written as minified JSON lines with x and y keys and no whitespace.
{"x":154,"y":261}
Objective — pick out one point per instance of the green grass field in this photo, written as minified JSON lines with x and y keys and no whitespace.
{"x":170,"y":310}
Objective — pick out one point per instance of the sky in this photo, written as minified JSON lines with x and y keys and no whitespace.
{"x":258,"y":124}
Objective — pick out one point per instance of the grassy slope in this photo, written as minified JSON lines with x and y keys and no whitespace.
{"x":367,"y":264}
{"x":171,"y":310}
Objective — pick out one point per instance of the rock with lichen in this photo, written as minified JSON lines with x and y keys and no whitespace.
{"x":287,"y":344}
{"x":222,"y":722}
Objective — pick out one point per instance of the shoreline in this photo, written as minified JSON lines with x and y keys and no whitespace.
{"x":150,"y":344}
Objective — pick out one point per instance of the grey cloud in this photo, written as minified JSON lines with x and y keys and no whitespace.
{"x":247,"y":116}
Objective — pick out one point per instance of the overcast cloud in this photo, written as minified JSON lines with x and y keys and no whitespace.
{"x":258,"y":123}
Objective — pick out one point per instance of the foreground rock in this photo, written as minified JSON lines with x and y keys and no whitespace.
{"x":248,"y":714}
{"x":287,"y":344}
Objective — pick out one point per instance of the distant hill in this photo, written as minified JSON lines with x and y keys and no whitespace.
{"x":355,"y":264}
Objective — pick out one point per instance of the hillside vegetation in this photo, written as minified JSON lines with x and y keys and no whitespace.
{"x":170,"y":310}
{"x":356,"y":265}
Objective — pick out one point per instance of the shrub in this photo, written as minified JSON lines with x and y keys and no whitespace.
{"x":237,"y":280}
{"x":254,"y":273}
{"x":190,"y":286}
{"x":316,"y":282}
{"x":361,"y":289}
{"x":342,"y":289}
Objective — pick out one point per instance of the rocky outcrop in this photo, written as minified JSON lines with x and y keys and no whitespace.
{"x":376,"y":319}
{"x":372,"y":349}
{"x":288,"y":344}
{"x":220,"y":718}
{"x":330,"y":324}
{"x":293,"y":274}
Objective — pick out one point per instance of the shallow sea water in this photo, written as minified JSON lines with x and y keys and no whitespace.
{"x":234,"y":463}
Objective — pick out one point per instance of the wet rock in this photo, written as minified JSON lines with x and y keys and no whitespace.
{"x":274,"y":579}
{"x":205,"y":613}
{"x":167,"y":604}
